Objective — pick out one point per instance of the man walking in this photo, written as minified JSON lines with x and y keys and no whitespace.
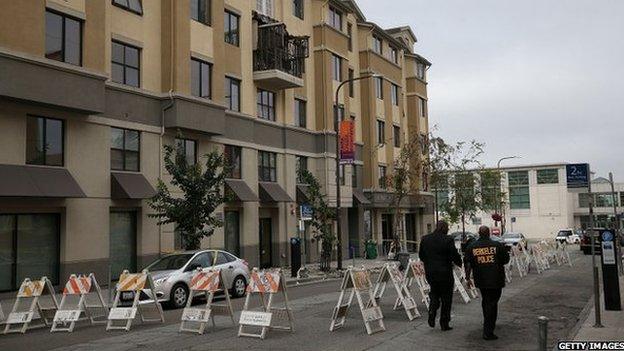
{"x":438,"y":253}
{"x":487,"y":258}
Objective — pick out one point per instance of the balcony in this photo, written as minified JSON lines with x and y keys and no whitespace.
{"x":278,"y":58}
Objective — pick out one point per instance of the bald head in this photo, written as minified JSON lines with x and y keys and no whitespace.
{"x":484,"y":232}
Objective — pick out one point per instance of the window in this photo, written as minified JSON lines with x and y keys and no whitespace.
{"x":350,"y":35}
{"x":340,"y":111}
{"x":265,"y":7}
{"x":63,"y":38}
{"x":476,"y":221}
{"x":126,"y":64}
{"x":200,"y":11}
{"x":230,"y":26}
{"x":335,"y":18}
{"x":490,"y":187}
{"x":44,"y":141}
{"x":354,"y":178}
{"x":382,"y":177}
{"x":187,"y":149}
{"x":266,"y":104}
{"x":201,"y":78}
{"x":397,"y":136}
{"x":381,"y":132}
{"x":423,"y":107}
{"x":394,"y":55}
{"x":604,"y":200}
{"x":130,"y":5}
{"x":267,"y":168}
{"x":548,"y":176}
{"x":341,"y":174}
{"x":394,"y":91}
{"x":583,"y":200}
{"x":125,"y":149}
{"x":302,"y":166}
{"x":351,"y":83}
{"x":298,"y":9}
{"x":519,"y":197}
{"x":424,"y":143}
{"x":420,"y":70}
{"x":232,"y":93}
{"x":377,"y":45}
{"x":300,"y":113}
{"x":233,"y":158}
{"x":336,"y":67}
{"x":379,"y":87}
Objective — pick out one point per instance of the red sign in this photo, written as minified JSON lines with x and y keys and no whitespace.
{"x":495,"y":231}
{"x":347,"y":142}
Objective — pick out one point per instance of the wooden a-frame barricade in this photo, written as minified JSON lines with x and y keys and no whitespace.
{"x":357,"y":282}
{"x":28,"y":295}
{"x":416,"y":273}
{"x":70,"y":310}
{"x":390,"y":273}
{"x":518,"y":261}
{"x":135,"y":283}
{"x":209,"y":282}
{"x":563,"y":254}
{"x":459,"y":285}
{"x":265,"y":282}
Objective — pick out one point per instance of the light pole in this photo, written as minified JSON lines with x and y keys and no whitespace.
{"x":498,"y":203}
{"x":336,"y":127}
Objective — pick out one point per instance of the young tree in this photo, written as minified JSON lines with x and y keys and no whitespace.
{"x":202,"y":191}
{"x":322,"y":217}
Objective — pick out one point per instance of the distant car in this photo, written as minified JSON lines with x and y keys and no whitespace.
{"x":457,"y":236}
{"x":514,"y":239}
{"x":172,"y":275}
{"x":568,"y":236}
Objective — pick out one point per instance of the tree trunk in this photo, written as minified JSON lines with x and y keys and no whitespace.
{"x":463,"y":217}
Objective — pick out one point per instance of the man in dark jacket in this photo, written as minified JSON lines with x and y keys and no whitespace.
{"x":487,"y":258}
{"x":438,"y":253}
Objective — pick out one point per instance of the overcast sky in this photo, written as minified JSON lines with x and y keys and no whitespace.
{"x":541,"y":79}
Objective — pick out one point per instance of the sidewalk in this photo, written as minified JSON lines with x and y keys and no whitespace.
{"x":612,"y":321}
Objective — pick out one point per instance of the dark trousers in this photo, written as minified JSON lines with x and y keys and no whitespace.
{"x":489,"y":304}
{"x":441,"y":294}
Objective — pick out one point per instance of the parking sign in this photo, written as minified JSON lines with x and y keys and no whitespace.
{"x":577,"y":175}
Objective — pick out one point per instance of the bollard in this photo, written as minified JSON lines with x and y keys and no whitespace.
{"x":542,"y":323}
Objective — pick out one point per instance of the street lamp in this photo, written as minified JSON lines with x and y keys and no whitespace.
{"x":336,"y":127}
{"x":498,"y":203}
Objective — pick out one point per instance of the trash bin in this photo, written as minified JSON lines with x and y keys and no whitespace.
{"x":403,"y":260}
{"x":371,"y":250}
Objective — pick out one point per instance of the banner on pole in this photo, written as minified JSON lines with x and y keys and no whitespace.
{"x":347,"y":142}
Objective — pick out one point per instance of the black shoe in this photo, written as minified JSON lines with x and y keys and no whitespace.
{"x":446,"y":327}
{"x":431,"y":320}
{"x":490,"y":337}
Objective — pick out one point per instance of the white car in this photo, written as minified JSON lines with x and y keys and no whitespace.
{"x":568,"y":236}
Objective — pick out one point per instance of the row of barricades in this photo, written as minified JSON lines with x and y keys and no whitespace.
{"x":82,"y":299}
{"x":540,"y":256}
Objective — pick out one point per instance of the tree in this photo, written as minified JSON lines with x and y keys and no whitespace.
{"x":436,"y":165}
{"x":202,"y":191}
{"x":322,"y":218}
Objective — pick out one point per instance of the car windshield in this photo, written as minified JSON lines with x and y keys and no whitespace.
{"x":564,"y":233}
{"x":170,"y":262}
{"x":511,"y":236}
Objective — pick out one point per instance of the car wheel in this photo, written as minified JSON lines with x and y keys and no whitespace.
{"x":238,"y":286}
{"x":179,"y":296}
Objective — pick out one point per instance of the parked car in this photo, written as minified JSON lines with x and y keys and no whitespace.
{"x":514,"y":239}
{"x":172,"y":275}
{"x":568,"y":236}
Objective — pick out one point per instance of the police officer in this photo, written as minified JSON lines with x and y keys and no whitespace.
{"x":438,"y":253}
{"x":487,"y":258}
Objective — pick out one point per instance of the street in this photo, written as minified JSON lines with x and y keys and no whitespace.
{"x":560,"y":294}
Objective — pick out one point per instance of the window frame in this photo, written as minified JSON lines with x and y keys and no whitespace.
{"x":379,"y":88}
{"x":396,"y":134}
{"x":423,"y":107}
{"x":350,"y":35}
{"x":516,"y":184}
{"x":230,"y":36}
{"x":335,"y":18}
{"x":351,"y":76}
{"x":184,"y":144}
{"x":64,"y":17}
{"x":128,"y":8}
{"x":299,"y":9}
{"x":202,"y":64}
{"x":45,"y":163}
{"x":377,"y":44}
{"x":271,"y":158}
{"x":299,"y":162}
{"x":300,"y":112}
{"x":540,"y":175}
{"x":124,"y":150}
{"x":421,"y":71}
{"x":394,"y":54}
{"x":207,"y":21}
{"x":230,"y":81}
{"x":394,"y":94}
{"x":382,"y":175}
{"x":123,"y":64}
{"x":270,"y":104}
{"x":381,"y":132}
{"x":230,"y":152}
{"x":336,"y":67}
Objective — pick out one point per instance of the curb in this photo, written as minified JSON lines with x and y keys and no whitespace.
{"x":310,"y":281}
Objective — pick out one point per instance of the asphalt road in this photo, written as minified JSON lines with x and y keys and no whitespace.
{"x":559,"y":294}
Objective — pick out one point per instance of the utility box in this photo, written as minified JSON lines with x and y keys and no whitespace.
{"x":295,"y":256}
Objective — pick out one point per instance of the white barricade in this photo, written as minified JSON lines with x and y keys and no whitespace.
{"x":416,"y":273}
{"x":68,"y":314}
{"x":459,"y":285}
{"x":391,"y":273}
{"x":135,"y":283}
{"x":19,"y":319}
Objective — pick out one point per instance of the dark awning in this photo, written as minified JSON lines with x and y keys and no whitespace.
{"x":359,"y":196}
{"x":29,"y":181}
{"x":273,"y":192}
{"x":302,"y":193}
{"x":241,"y":190}
{"x":131,"y":186}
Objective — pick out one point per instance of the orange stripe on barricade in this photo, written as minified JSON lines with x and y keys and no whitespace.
{"x":272,"y":283}
{"x":86,"y":284}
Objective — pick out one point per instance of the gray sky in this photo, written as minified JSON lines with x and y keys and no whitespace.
{"x":527,"y":77}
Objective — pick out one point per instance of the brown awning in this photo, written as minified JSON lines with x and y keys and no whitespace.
{"x":29,"y":181}
{"x":273,"y":192}
{"x":359,"y":196}
{"x":131,"y":186}
{"x":241,"y":190}
{"x":302,"y":194}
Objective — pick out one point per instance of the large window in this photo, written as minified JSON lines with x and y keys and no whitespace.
{"x":397,"y":136}
{"x":201,"y":78}
{"x":423,"y":107}
{"x":200,"y":11}
{"x":63,"y":38}
{"x":302,"y":166}
{"x":266,"y":104}
{"x":335,"y":18}
{"x":381,"y":132}
{"x":379,"y":87}
{"x":130,"y":5}
{"x":125,"y":150}
{"x":232,"y":93}
{"x":548,"y":176}
{"x":265,"y":7}
{"x":126,"y":64}
{"x":187,"y":149}
{"x":336,"y":67}
{"x":29,"y":248}
{"x":519,"y":197}
{"x":231,"y":29}
{"x":233,"y":159}
{"x":300,"y":113}
{"x":394,"y":92}
{"x":604,"y":200}
{"x":421,"y":70}
{"x":298,"y":9}
{"x":44,"y":141}
{"x":267,"y":166}
{"x":377,"y":45}
{"x":382,"y":177}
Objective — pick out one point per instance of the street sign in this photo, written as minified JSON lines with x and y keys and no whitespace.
{"x":607,"y":236}
{"x":577,"y":175}
{"x":306,"y":212}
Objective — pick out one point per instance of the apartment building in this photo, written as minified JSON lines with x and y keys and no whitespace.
{"x":90,"y":91}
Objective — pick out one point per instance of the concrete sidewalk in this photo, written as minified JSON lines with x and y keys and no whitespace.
{"x":612,"y":321}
